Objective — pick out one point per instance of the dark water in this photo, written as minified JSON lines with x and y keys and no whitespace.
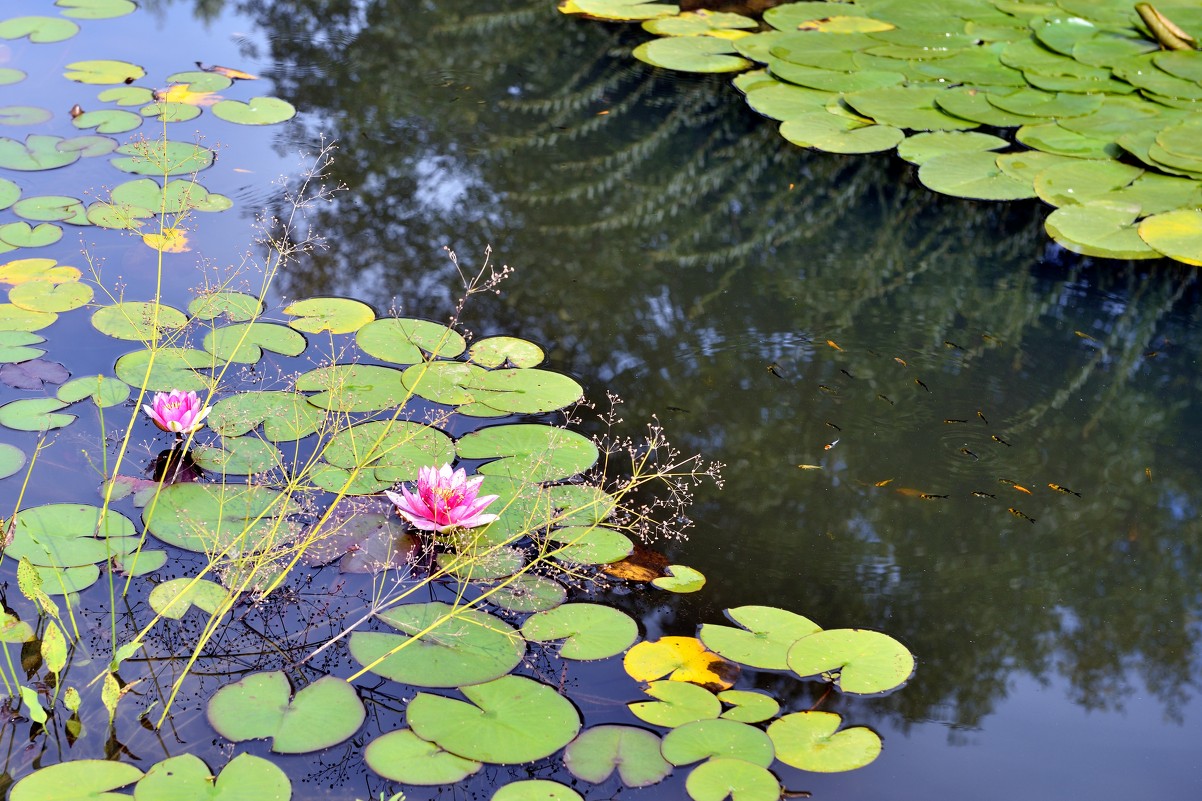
{"x":765,"y":302}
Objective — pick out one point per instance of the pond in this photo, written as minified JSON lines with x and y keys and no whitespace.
{"x":934,"y":422}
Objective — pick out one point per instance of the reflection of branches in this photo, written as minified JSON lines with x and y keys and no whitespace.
{"x":675,"y":245}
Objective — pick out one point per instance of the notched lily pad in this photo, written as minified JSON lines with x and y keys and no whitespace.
{"x":858,"y":660}
{"x":600,"y":750}
{"x":680,"y":659}
{"x":404,"y":757}
{"x":262,"y":706}
{"x":588,"y":631}
{"x":812,"y":741}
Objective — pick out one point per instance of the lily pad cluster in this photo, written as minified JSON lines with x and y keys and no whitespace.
{"x":119,"y":107}
{"x":727,"y":738}
{"x":1089,"y":106}
{"x":245,"y":778}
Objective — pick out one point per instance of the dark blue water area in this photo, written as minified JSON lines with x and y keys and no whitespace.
{"x":761,"y":302}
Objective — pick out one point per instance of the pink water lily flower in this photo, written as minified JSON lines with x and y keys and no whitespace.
{"x":177,"y":412}
{"x":445,"y":500}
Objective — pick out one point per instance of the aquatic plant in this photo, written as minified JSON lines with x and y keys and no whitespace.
{"x":177,"y":412}
{"x":1099,"y":94}
{"x":445,"y":500}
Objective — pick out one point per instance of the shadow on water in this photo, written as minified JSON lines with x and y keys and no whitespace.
{"x":934,"y":422}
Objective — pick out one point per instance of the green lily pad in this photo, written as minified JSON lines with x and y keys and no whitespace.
{"x":37,"y":152}
{"x":1176,"y":234}
{"x":404,"y":340}
{"x":833,"y":80}
{"x":14,"y":318}
{"x":336,"y":315}
{"x":103,"y":72}
{"x":747,"y":706}
{"x":783,"y":101}
{"x":634,"y":753}
{"x":22,"y":235}
{"x":450,"y":383}
{"x":925,"y":146}
{"x":88,"y":145}
{"x":9,"y":76}
{"x":1053,"y":137}
{"x":404,"y":757}
{"x":127,"y":95}
{"x":238,"y":457}
{"x":677,"y":703}
{"x":764,"y":640}
{"x":526,"y":390}
{"x":509,"y":721}
{"x":175,"y":597}
{"x":229,"y":518}
{"x":340,"y":480}
{"x":244,"y":343}
{"x":972,"y":175}
{"x":285,"y":416}
{"x":201,"y":81}
{"x":475,"y":559}
{"x":354,"y":387}
{"x":258,"y":111}
{"x":24,"y":115}
{"x":536,"y":790}
{"x":67,"y":580}
{"x":529,"y":593}
{"x":105,"y":391}
{"x":12,"y":459}
{"x":836,"y":134}
{"x":52,"y":208}
{"x":42,"y":296}
{"x":261,"y":705}
{"x":529,"y":451}
{"x":34,"y":414}
{"x":719,"y":778}
{"x":590,"y":545}
{"x":138,"y":321}
{"x":170,"y":111}
{"x":462,"y":646}
{"x":13,"y":347}
{"x":76,"y":780}
{"x":680,"y":579}
{"x":703,"y":739}
{"x":1099,"y":228}
{"x":69,"y":535}
{"x":162,"y":158}
{"x":620,"y":9}
{"x":691,"y":23}
{"x":496,"y":351}
{"x":861,"y":661}
{"x":692,"y":54}
{"x":173,"y":368}
{"x":237,"y":307}
{"x":176,"y":196}
{"x":393,"y":449}
{"x":366,"y":542}
{"x":9,"y":193}
{"x":972,"y":103}
{"x":245,"y":778}
{"x":139,"y":563}
{"x":1076,"y":183}
{"x":41,"y":30}
{"x":96,"y":9}
{"x":811,"y":741}
{"x":588,"y":631}
{"x":910,"y":107}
